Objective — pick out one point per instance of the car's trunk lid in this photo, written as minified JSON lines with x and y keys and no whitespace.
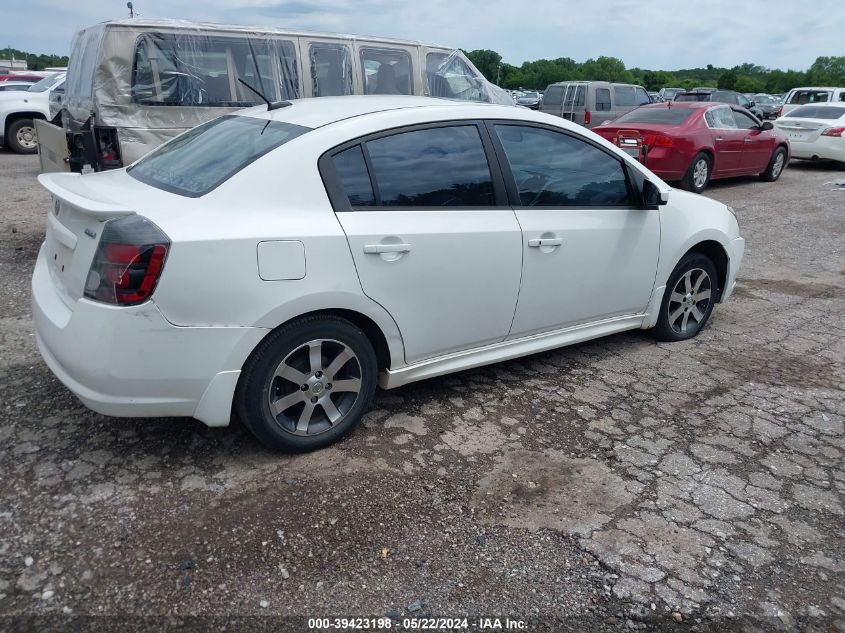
{"x":74,"y":225}
{"x":804,"y":130}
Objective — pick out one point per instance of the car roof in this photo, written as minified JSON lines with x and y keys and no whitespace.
{"x":314,"y":113}
{"x":689,"y":105}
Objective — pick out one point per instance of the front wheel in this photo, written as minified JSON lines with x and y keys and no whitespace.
{"x":21,"y":138}
{"x":688,"y":300}
{"x":698,"y":174}
{"x":775,"y":166}
{"x":307,"y":384}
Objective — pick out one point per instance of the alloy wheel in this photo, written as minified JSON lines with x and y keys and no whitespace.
{"x":778,"y":166}
{"x":699,"y":173}
{"x":690,"y":299}
{"x":26,"y":137}
{"x":314,"y":387}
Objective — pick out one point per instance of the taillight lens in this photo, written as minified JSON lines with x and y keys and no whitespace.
{"x":834,"y":131}
{"x":587,"y":117}
{"x":658,"y":140}
{"x":128,"y":262}
{"x":779,"y":111}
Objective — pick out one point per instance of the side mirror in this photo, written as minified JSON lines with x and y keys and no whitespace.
{"x":766,"y":125}
{"x":652,"y":196}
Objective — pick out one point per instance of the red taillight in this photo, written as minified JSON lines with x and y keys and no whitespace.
{"x":834,"y":131}
{"x":658,"y":140}
{"x":587,"y":118}
{"x":779,"y":111}
{"x":128,"y":262}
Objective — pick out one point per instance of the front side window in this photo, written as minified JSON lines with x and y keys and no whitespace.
{"x":177,"y":69}
{"x":624,"y":96}
{"x":194,"y":163}
{"x":745,"y":122}
{"x":435,"y":167}
{"x":386,"y":71}
{"x":552,"y":169}
{"x":331,"y":70}
{"x":602,"y":99}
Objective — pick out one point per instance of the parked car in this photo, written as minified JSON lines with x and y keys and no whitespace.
{"x":654,"y":97}
{"x":695,"y":142}
{"x":15,"y":86}
{"x":143,"y":81}
{"x":804,"y":96}
{"x":20,"y":109}
{"x":176,"y":287}
{"x":668,"y":94}
{"x":816,"y":131}
{"x":767,"y":105}
{"x":591,"y":103}
{"x":529,"y":100}
{"x":720,"y":96}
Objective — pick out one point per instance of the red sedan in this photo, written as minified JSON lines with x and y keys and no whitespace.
{"x":694,"y":142}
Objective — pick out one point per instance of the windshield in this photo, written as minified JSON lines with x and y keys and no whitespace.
{"x":45,"y":84}
{"x":664,"y":115}
{"x":203,"y":158}
{"x":818,"y":112}
{"x":530,"y":95}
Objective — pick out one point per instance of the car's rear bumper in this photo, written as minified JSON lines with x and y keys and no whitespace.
{"x":825,"y":147}
{"x":132,"y":362}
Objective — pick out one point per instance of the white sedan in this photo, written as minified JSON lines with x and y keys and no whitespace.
{"x":816,"y":131}
{"x":277,"y":264}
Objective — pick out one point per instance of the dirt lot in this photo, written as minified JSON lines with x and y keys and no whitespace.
{"x":619,"y":484}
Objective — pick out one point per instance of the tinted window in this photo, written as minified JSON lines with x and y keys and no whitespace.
{"x":642,"y":97}
{"x":555,"y":169}
{"x":386,"y":71}
{"x":817,"y":112}
{"x":624,"y":96}
{"x":352,"y":171}
{"x":437,"y":167}
{"x":602,"y":99}
{"x":724,"y":97}
{"x":553,"y":96}
{"x":201,"y":159}
{"x":331,"y":70}
{"x":667,"y":116}
{"x":198,"y":70}
{"x":693,"y":96}
{"x":745,"y":122}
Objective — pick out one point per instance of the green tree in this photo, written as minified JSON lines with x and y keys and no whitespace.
{"x":605,"y":69}
{"x":827,"y":71}
{"x":744,"y":83}
{"x":488,"y":62}
{"x":727,"y":80}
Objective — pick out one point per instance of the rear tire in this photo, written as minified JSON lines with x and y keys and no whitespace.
{"x":688,"y":300}
{"x":776,"y":165}
{"x":307,"y":384}
{"x":21,"y":137}
{"x":698,"y":175}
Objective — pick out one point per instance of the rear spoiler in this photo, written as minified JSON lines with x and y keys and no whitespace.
{"x":73,"y":190}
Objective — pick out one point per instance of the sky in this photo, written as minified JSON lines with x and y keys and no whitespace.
{"x":655,"y":34}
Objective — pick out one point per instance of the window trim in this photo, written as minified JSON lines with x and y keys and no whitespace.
{"x":385,"y":49}
{"x":510,"y":181}
{"x":340,"y":201}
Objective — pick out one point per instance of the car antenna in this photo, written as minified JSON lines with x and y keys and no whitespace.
{"x":274,"y":105}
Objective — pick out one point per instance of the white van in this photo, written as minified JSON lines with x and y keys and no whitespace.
{"x":802,"y":96}
{"x":134,"y":84}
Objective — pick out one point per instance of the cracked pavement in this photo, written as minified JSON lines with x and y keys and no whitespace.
{"x":614,"y":485}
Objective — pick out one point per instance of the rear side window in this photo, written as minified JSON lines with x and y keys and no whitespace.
{"x":552,"y":169}
{"x":809,"y":96}
{"x":602,"y":99}
{"x":624,"y":96}
{"x":436,"y":167}
{"x":642,"y":97}
{"x":203,"y":158}
{"x":574,"y":96}
{"x":331,"y":70}
{"x":664,"y":115}
{"x":721,"y":118}
{"x":553,"y":96}
{"x":352,"y":170}
{"x":387,"y":71}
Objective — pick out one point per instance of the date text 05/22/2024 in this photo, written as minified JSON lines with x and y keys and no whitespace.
{"x":416,"y":624}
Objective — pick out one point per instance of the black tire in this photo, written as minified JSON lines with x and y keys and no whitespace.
{"x":25,"y":127}
{"x":775,"y":169}
{"x":259,"y":384}
{"x":688,"y":182}
{"x":685,"y":324}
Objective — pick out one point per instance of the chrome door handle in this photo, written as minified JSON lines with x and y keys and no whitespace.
{"x":747,"y":140}
{"x":387,"y":248}
{"x":719,"y":138}
{"x":545,"y":241}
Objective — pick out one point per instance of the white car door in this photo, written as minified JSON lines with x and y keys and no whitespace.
{"x":589,"y":254}
{"x":428,"y":238}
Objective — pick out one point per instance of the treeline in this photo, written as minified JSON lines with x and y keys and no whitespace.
{"x":33,"y":61}
{"x":825,"y":71}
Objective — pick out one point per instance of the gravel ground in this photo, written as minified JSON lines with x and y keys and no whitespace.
{"x":619,"y":484}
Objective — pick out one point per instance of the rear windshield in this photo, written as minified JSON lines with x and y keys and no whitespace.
{"x":45,"y":84}
{"x":817,"y":112}
{"x":201,"y":159}
{"x":666,"y":116}
{"x":810,"y":96}
{"x":693,"y":96}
